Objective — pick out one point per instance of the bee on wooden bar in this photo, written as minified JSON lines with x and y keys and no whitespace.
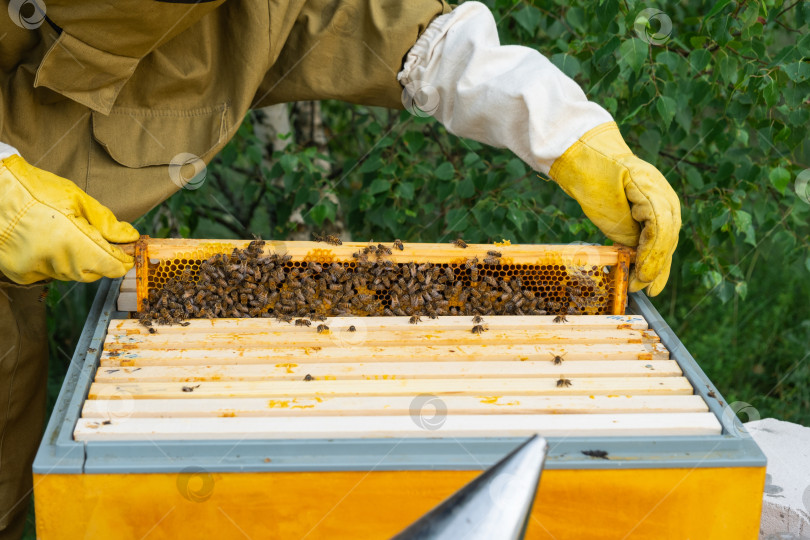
{"x":494,"y":253}
{"x":309,"y":377}
{"x":479,"y":329}
{"x":491,"y":260}
{"x":328,"y":239}
{"x":563,"y":383}
{"x":303,"y":322}
{"x":152,"y":330}
{"x":560,"y":319}
{"x":458,"y":242}
{"x":477,"y":319}
{"x":190,"y":388}
{"x":398,"y":244}
{"x":558,"y":359}
{"x":317,"y":317}
{"x":471,"y":262}
{"x":381,"y":249}
{"x":322,"y":329}
{"x":415,"y":319}
{"x":352,"y":328}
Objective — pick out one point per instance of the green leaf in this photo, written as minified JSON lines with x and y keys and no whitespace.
{"x":445,"y":171}
{"x":797,"y":71}
{"x":770,"y":93}
{"x":716,"y":8}
{"x":515,"y":168}
{"x":699,"y":59}
{"x":741,"y":288}
{"x":529,"y":18}
{"x":633,"y":52}
{"x":372,"y":164}
{"x":665,"y":106}
{"x":457,"y":219}
{"x":694,"y":178}
{"x":728,"y":68}
{"x":379,"y":185}
{"x":517,"y":217}
{"x":780,"y":178}
{"x":567,"y":64}
{"x":742,"y":221}
{"x":465,"y":188}
{"x":405,"y":190}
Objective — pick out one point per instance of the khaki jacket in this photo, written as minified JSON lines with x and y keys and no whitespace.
{"x":107,"y":93}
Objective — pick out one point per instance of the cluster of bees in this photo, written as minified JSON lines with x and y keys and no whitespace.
{"x":249,"y":283}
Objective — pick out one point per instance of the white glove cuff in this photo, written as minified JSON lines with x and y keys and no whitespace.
{"x":504,"y":96}
{"x":6,"y":151}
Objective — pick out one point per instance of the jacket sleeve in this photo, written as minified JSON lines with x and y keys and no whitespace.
{"x":350,"y":50}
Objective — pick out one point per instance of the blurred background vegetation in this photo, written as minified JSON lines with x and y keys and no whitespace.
{"x":716,"y":94}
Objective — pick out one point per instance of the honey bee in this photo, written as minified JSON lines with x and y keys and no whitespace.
{"x":152,"y":330}
{"x":415,"y":319}
{"x":190,"y":388}
{"x":384,"y":250}
{"x":471,"y":262}
{"x":458,"y":242}
{"x":491,"y":261}
{"x":478,"y":319}
{"x":398,"y":244}
{"x":323,"y":329}
{"x":309,"y":377}
{"x":479,"y":329}
{"x":563,"y":382}
{"x":558,"y":359}
{"x":560,"y":319}
{"x":317,"y":317}
{"x":494,"y":253}
{"x":303,"y":322}
{"x":328,"y":239}
{"x":352,"y":328}
{"x":474,"y":274}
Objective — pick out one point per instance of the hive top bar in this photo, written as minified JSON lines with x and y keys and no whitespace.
{"x":161,"y":249}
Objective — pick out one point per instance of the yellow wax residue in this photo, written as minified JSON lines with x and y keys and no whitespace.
{"x":509,"y":403}
{"x":503,"y":242}
{"x":492,"y":400}
{"x":288,"y":366}
{"x":302,"y":406}
{"x":227,"y":414}
{"x":523,"y":358}
{"x":592,"y":397}
{"x":319,"y":400}
{"x":612,"y":395}
{"x":380,"y":377}
{"x":329,"y":378}
{"x":278,"y":403}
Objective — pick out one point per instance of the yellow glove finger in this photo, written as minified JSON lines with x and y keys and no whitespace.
{"x":656,"y":206}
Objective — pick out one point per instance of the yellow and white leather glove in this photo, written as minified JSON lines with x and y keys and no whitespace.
{"x":49,"y":228}
{"x":513,"y":97}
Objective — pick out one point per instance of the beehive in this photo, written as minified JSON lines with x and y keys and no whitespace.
{"x":292,"y":433}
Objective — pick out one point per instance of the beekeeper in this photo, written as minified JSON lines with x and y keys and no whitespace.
{"x":98,"y":98}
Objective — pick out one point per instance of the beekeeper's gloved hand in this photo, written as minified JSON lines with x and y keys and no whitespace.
{"x":49,"y":228}
{"x":513,"y":97}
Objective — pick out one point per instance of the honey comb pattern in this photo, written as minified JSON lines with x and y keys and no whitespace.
{"x":559,"y":286}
